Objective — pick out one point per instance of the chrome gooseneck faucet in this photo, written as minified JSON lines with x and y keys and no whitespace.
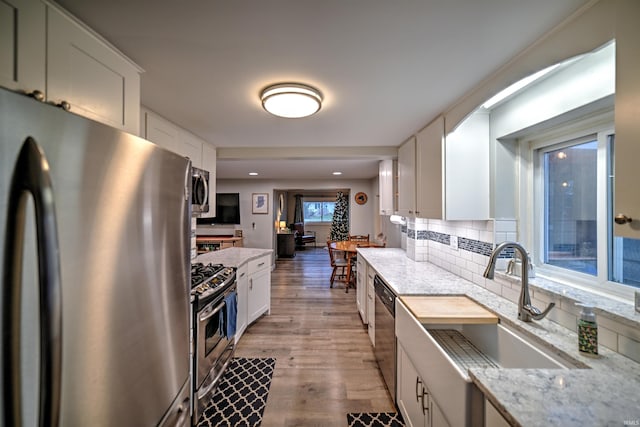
{"x":526,"y":312}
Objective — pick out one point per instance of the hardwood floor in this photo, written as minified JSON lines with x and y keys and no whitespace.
{"x":325,"y":366}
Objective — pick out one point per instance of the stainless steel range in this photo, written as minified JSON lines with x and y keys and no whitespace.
{"x":214,"y":299}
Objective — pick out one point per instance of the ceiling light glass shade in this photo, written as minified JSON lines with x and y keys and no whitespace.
{"x":291,"y":100}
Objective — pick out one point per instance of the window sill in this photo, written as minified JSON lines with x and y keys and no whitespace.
{"x":568,"y":294}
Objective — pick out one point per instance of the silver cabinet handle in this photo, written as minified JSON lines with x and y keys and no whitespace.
{"x":261,"y":264}
{"x":37,"y":95}
{"x":242,"y":275}
{"x":418,"y":384}
{"x":251,"y":283}
{"x":424,"y":409}
{"x":64,"y":105}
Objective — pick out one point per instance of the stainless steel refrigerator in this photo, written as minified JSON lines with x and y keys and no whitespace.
{"x":94,"y":226}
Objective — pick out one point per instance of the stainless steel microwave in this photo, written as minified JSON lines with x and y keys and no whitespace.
{"x":199,"y":190}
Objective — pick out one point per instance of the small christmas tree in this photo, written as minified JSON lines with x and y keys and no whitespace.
{"x":340,"y":223}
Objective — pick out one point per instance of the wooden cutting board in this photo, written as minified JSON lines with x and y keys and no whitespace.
{"x":448,"y":310}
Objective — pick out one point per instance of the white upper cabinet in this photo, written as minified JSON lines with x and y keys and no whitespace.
{"x":160,"y":131}
{"x":407,"y":178}
{"x":23,"y":45}
{"x":174,"y":138}
{"x":386,"y":186}
{"x":627,"y":114}
{"x":191,"y":147}
{"x":46,"y":50}
{"x":451,"y":175}
{"x":429,"y":170}
{"x":467,"y":169}
{"x":95,"y":80}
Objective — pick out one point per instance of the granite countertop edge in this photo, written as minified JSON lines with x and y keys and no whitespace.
{"x":232,"y":257}
{"x":528,"y":397}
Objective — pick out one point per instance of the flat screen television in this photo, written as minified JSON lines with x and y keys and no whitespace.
{"x":227,"y":210}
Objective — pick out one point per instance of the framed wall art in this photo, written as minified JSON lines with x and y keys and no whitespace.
{"x":260,"y":203}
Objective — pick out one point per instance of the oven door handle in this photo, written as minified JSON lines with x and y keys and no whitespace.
{"x":207,"y":315}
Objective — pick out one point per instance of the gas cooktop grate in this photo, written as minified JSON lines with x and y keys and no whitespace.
{"x":461,"y":350}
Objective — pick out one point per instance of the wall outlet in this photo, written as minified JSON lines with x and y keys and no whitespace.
{"x":638,"y":301}
{"x":453,"y":242}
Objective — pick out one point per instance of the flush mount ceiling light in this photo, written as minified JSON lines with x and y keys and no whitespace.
{"x":291,"y":100}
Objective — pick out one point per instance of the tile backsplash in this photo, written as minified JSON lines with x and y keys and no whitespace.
{"x":464,"y":247}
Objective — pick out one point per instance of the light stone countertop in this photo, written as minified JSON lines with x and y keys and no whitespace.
{"x":605,"y":394}
{"x":232,"y":257}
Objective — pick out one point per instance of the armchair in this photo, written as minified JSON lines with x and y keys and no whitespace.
{"x":303,"y":237}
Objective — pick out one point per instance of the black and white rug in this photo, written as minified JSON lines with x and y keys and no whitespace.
{"x":241,"y":395}
{"x":374,"y":419}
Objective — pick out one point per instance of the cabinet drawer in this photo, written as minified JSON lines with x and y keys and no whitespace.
{"x":259,"y":264}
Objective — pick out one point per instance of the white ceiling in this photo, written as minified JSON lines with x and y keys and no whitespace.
{"x":385,"y":68}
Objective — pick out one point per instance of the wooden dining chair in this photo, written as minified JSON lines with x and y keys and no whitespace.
{"x":359,"y":237}
{"x":338,"y":262}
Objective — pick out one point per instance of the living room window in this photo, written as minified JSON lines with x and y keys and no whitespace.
{"x":318,"y":211}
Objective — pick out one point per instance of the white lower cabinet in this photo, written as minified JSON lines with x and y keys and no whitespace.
{"x":259,"y":298}
{"x":242,"y":277}
{"x":361,"y":289}
{"x":492,"y":417}
{"x":413,"y":398}
{"x":371,"y":307}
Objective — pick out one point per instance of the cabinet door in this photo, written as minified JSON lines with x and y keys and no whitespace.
{"x":437,"y":417}
{"x":259,"y":287}
{"x":429,"y":170}
{"x":371,"y":312}
{"x":407,"y":177}
{"x":84,"y":71}
{"x":467,"y":169}
{"x":361,"y":289}
{"x":22,"y":45}
{"x":259,"y":294}
{"x":243,"y":298}
{"x":386,"y":179}
{"x":627,"y":111}
{"x":191,"y":147}
{"x":410,"y":392}
{"x":162,"y":132}
{"x":209,"y":164}
{"x":492,"y":417}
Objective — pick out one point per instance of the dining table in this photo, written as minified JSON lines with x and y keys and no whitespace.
{"x":350,"y":248}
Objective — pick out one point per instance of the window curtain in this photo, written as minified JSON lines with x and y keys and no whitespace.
{"x":298,"y":216}
{"x":340,"y":224}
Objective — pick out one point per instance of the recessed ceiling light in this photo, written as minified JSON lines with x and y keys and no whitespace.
{"x":291,"y":100}
{"x":337,"y":173}
{"x":253,"y":173}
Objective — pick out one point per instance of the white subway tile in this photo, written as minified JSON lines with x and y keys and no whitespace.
{"x":629,"y":347}
{"x":607,"y":338}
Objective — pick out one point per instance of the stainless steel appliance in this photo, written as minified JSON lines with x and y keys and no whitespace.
{"x":94,"y":225}
{"x":200,"y":190}
{"x":214,"y":302}
{"x":385,"y":339}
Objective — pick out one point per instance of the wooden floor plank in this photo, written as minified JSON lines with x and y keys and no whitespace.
{"x":325,"y":366}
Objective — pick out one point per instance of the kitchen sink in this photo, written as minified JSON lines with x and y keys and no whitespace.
{"x":493,"y":346}
{"x":449,"y":351}
{"x":443,"y":352}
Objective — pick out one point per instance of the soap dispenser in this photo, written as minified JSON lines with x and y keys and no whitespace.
{"x":587,"y":331}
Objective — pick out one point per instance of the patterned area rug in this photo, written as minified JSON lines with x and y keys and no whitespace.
{"x":241,"y":395}
{"x":375,"y":419}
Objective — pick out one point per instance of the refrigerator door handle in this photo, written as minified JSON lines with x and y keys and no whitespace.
{"x":31,"y":177}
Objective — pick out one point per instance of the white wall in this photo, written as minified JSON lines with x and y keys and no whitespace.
{"x":259,"y":230}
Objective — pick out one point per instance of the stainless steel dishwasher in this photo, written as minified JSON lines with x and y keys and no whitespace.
{"x":385,"y":339}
